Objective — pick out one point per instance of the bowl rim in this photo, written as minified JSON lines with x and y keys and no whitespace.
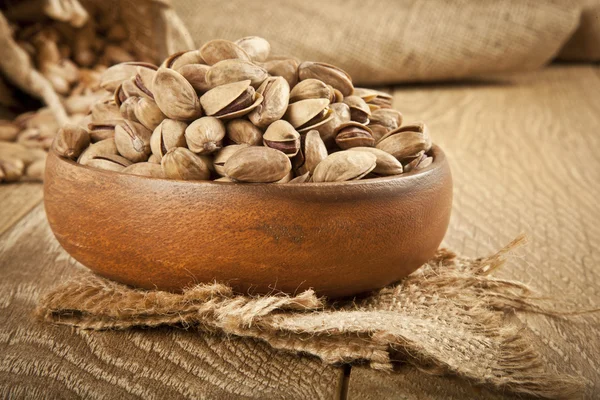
{"x":439,"y":159}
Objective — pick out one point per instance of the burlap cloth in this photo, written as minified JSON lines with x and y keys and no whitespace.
{"x":449,"y":317}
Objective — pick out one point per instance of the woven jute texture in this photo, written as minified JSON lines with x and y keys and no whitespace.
{"x":387,"y":41}
{"x":449,"y":317}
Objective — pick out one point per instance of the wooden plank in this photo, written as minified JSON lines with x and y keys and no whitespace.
{"x":16,"y":200}
{"x":524,"y":155}
{"x":41,"y":360}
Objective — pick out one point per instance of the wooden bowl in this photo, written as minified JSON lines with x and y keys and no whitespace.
{"x":340,"y":238}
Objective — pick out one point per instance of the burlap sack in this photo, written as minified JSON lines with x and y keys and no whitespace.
{"x":584,"y":45}
{"x":387,"y":41}
{"x":153,"y":26}
{"x":449,"y":317}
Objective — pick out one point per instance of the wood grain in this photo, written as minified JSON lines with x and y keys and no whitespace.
{"x":524,"y":154}
{"x":45,"y":361}
{"x":16,"y":200}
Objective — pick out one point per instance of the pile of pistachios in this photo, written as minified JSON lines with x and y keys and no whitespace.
{"x":71,"y":53}
{"x":228,"y":113}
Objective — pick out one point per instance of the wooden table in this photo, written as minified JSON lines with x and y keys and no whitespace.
{"x":525,"y":153}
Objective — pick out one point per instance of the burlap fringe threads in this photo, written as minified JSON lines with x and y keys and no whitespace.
{"x":449,"y":317}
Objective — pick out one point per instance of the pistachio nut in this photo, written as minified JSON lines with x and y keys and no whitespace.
{"x":148,"y":114}
{"x":102,"y":148}
{"x":175,"y":96}
{"x":341,"y":114}
{"x":11,"y":169}
{"x":140,"y":85}
{"x":282,"y":136}
{"x":17,"y":150}
{"x":374,"y":97}
{"x":127,"y":108}
{"x":242,"y":131}
{"x":286,"y":178}
{"x":307,"y":114}
{"x":275,"y":92}
{"x":35,"y":170}
{"x":344,"y":166}
{"x":359,"y":110}
{"x":133,"y":140}
{"x":386,"y":163}
{"x":425,"y":162}
{"x":420,"y":161}
{"x":327,"y":73}
{"x":178,"y":60}
{"x":231,"y":100}
{"x":117,"y":74}
{"x":154,"y":159}
{"x":337,"y":96}
{"x":205,"y":135}
{"x":33,"y":138}
{"x":406,"y":141}
{"x":83,"y":103}
{"x":314,"y":151}
{"x":257,"y":164}
{"x":145,"y":169}
{"x":378,"y":131}
{"x":229,"y":71}
{"x":102,"y":130}
{"x":168,"y":134}
{"x":8,"y":131}
{"x":195,"y":74}
{"x":223,"y":179}
{"x":286,"y":68}
{"x":223,"y":155}
{"x":256,"y":47}
{"x":105,"y":111}
{"x":109,"y":162}
{"x":70,"y":141}
{"x":312,"y":89}
{"x":181,"y":163}
{"x":301,"y":178}
{"x":387,"y":117}
{"x":218,"y":50}
{"x":353,"y":134}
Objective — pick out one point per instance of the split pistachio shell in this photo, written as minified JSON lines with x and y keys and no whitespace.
{"x":282,"y":136}
{"x":256,"y":47}
{"x":181,"y":163}
{"x":344,"y":166}
{"x":195,"y":74}
{"x":303,"y":112}
{"x":340,"y":115}
{"x":105,"y":111}
{"x":223,"y":155}
{"x":109,"y":162}
{"x":154,"y":159}
{"x":145,"y":169}
{"x":257,"y":164}
{"x":98,"y":149}
{"x":327,"y":73}
{"x":103,"y":130}
{"x":286,"y":178}
{"x":387,"y":117}
{"x":275,"y":92}
{"x":232,"y":100}
{"x":70,"y":141}
{"x":406,"y":141}
{"x":35,"y":171}
{"x":229,"y":71}
{"x":378,"y":131}
{"x":11,"y":169}
{"x":218,"y":50}
{"x":175,"y":96}
{"x":417,"y":162}
{"x":359,"y":110}
{"x":178,"y":60}
{"x":312,"y":89}
{"x":242,"y":131}
{"x":115,"y":75}
{"x":133,"y":141}
{"x":169,"y":134}
{"x":314,"y":151}
{"x":205,"y":135}
{"x":353,"y":134}
{"x":127,"y":109}
{"x":286,"y":68}
{"x":386,"y":163}
{"x":301,"y":178}
{"x":148,"y":114}
{"x":375,"y":97}
{"x":8,"y":131}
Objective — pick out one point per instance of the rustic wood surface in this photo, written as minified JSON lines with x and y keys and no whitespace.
{"x":524,"y":154}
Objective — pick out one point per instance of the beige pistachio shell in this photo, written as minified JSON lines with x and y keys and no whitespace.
{"x":205,"y":135}
{"x":327,"y":73}
{"x":256,"y":47}
{"x":148,"y":114}
{"x":11,"y":169}
{"x":386,"y":163}
{"x":344,"y":166}
{"x":223,"y":179}
{"x":235,"y":70}
{"x":178,"y":60}
{"x":286,"y":178}
{"x":36,"y":170}
{"x":8,"y":131}
{"x":286,"y":68}
{"x":195,"y":74}
{"x":102,"y":130}
{"x":406,"y":141}
{"x":218,"y":50}
{"x":143,"y":82}
{"x":353,"y":134}
{"x":127,"y":109}
{"x":303,"y":111}
{"x":376,"y":96}
{"x":181,"y":163}
{"x":70,"y":141}
{"x":359,"y":110}
{"x":217,"y":101}
{"x":257,"y":164}
{"x":133,"y":141}
{"x":169,"y":134}
{"x":115,"y":75}
{"x":282,"y":136}
{"x":145,"y":169}
{"x":414,"y":163}
{"x":314,"y":151}
{"x":223,"y":155}
{"x":311,"y":89}
{"x":275,"y":92}
{"x":154,"y":159}
{"x":242,"y":131}
{"x":105,"y":111}
{"x":387,"y":117}
{"x":109,"y":162}
{"x":378,"y":131}
{"x":102,"y":148}
{"x":301,"y":178}
{"x":175,"y":96}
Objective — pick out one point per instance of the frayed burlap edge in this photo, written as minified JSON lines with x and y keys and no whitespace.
{"x":449,"y":317}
